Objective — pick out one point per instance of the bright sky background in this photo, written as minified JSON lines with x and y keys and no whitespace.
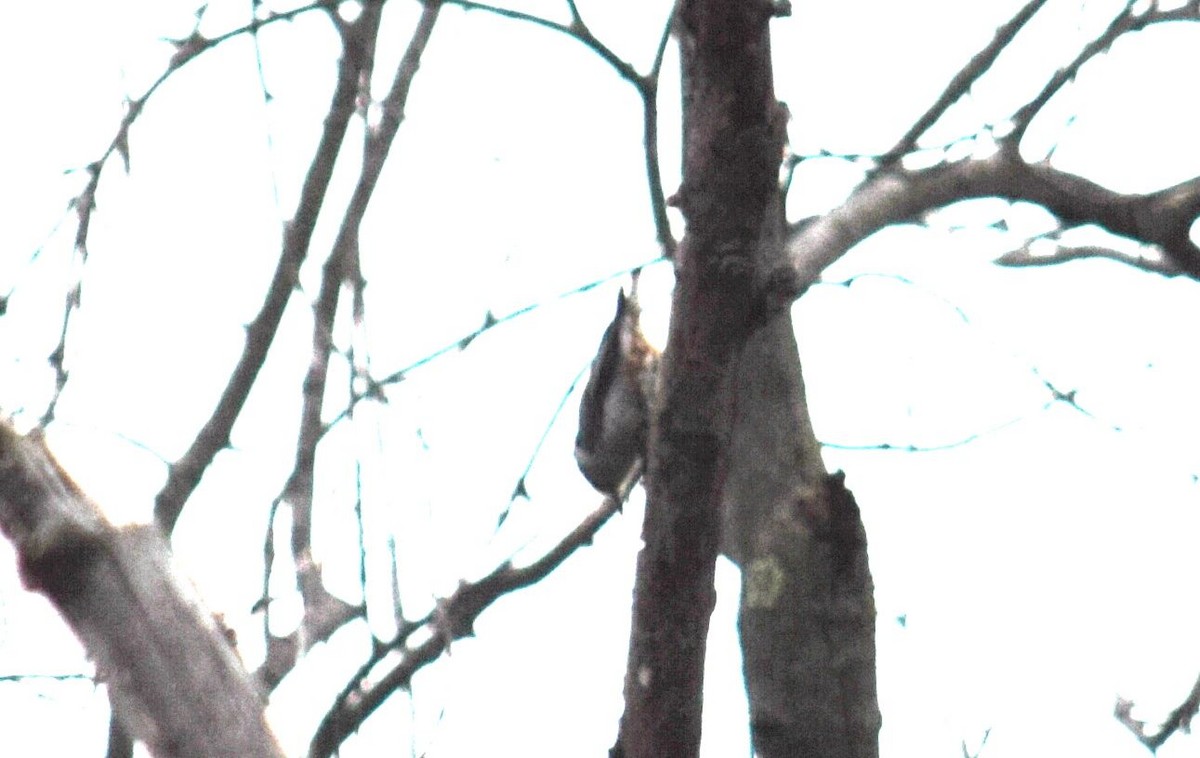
{"x":1041,"y":569}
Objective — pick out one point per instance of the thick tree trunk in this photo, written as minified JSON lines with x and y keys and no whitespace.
{"x":732,"y":447}
{"x":807,"y":618}
{"x":733,"y":138}
{"x":808,"y":631}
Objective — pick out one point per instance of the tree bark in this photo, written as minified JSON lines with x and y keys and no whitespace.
{"x":807,"y":617}
{"x":733,"y":140}
{"x":174,"y":681}
{"x":733,"y":451}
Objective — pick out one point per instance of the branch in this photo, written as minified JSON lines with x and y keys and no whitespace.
{"x":84,"y":204}
{"x":648,"y":91}
{"x":375,"y":387}
{"x":453,"y":618}
{"x":184,"y":475}
{"x":1129,"y":20}
{"x":647,"y":87}
{"x":1025,"y":257}
{"x":324,"y":613}
{"x":959,"y":85}
{"x":1162,"y":218}
{"x":521,"y":490}
{"x":341,"y":262}
{"x":1056,"y":396}
{"x":1179,"y":720}
{"x":174,"y":681}
{"x":576,"y":30}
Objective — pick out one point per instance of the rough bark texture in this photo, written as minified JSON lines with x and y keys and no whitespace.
{"x":733,"y":450}
{"x":808,"y":630}
{"x":174,"y":681}
{"x":733,"y":130}
{"x":807,"y":618}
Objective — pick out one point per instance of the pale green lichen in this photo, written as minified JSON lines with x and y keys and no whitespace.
{"x":764,"y":582}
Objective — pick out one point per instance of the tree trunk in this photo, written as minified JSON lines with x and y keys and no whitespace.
{"x":807,"y":617}
{"x":733,"y":141}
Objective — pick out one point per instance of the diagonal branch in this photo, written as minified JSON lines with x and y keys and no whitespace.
{"x":84,"y":204}
{"x":185,"y":474}
{"x":961,"y":82}
{"x":1131,"y":19}
{"x":647,"y":87}
{"x":161,"y":656}
{"x":1163,"y":219}
{"x":453,"y":618}
{"x":345,"y":250}
{"x":1180,"y":719}
{"x":323,"y":613}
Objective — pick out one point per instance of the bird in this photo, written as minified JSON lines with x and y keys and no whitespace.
{"x":614,"y":414}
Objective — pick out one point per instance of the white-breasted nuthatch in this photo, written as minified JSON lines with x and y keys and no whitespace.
{"x":614,"y":414}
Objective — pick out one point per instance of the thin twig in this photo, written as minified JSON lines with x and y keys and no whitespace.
{"x":1129,"y":20}
{"x":647,"y":87}
{"x":84,"y":204}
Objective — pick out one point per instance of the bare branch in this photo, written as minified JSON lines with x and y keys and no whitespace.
{"x":658,"y":200}
{"x":515,"y":15}
{"x":647,"y":87}
{"x":375,"y":387}
{"x":1129,"y":20}
{"x":910,"y":447}
{"x":1162,"y":218}
{"x":576,"y":30}
{"x":1025,"y":257}
{"x":961,"y":82}
{"x":520,"y":490}
{"x":298,"y":493}
{"x":185,"y":474}
{"x":1180,"y":719}
{"x":187,"y":50}
{"x":324,"y":613}
{"x":453,"y":619}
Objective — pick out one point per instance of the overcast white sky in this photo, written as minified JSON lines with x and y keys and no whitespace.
{"x":1041,"y":569}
